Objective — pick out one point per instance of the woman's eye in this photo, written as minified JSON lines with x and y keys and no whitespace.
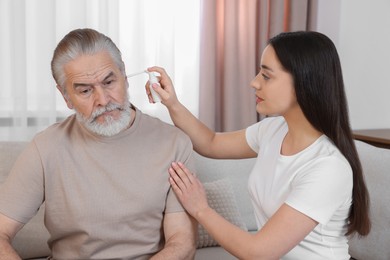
{"x":264,"y":76}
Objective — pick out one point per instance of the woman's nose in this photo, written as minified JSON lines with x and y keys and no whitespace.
{"x":255,"y":83}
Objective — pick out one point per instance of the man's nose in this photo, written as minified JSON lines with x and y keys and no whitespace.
{"x":102,"y":98}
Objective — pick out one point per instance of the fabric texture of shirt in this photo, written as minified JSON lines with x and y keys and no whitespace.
{"x":105,"y":197}
{"x":316,"y":181}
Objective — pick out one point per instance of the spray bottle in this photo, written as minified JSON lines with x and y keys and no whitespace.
{"x":152,"y":80}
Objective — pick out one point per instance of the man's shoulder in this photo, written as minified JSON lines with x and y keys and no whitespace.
{"x":163,"y":130}
{"x":56,"y":132}
{"x":157,"y":123}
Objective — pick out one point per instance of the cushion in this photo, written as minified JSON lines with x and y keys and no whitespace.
{"x":221,"y":198}
{"x":213,"y":253}
{"x":237,"y":172}
{"x":376,"y":169}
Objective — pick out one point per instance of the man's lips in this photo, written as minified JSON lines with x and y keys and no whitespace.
{"x":106,"y":113}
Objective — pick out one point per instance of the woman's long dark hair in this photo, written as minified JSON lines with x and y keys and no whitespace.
{"x":314,"y":64}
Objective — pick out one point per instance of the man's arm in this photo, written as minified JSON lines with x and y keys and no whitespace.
{"x":8,"y":229}
{"x":180,"y":237}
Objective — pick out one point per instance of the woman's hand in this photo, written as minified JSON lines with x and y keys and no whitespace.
{"x":188,"y":189}
{"x":166,"y":90}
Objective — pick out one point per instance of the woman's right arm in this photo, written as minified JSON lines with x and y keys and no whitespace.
{"x":205,"y":141}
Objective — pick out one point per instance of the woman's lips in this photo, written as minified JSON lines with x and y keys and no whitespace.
{"x":259,"y":99}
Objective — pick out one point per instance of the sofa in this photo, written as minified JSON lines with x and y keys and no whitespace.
{"x":226,"y":185}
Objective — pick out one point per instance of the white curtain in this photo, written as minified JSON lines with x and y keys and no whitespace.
{"x":148,"y":32}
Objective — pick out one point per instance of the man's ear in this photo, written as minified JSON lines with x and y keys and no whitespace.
{"x":124,"y":74}
{"x":68,"y":102}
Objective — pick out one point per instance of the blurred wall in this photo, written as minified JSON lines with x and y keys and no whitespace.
{"x":361,"y":31}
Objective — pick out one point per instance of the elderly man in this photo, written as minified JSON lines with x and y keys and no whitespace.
{"x":102,"y":172}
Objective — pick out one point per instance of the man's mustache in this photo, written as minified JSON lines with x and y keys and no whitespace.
{"x":108,"y":108}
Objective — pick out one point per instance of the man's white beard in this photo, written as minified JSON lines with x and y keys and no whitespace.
{"x":110,"y":126}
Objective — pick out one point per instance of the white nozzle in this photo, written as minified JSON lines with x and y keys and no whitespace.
{"x":135,"y":74}
{"x":152,"y":80}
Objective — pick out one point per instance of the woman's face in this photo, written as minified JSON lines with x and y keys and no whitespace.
{"x":275,"y":92}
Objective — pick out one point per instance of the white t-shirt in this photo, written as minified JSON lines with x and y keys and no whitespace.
{"x":316,"y":181}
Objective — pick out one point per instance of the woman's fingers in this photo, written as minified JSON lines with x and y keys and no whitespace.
{"x":175,"y":178}
{"x":148,"y":92}
{"x":182,"y":178}
{"x":188,"y":188}
{"x":184,"y":173}
{"x":179,"y":181}
{"x":175,"y":187}
{"x":165,"y":89}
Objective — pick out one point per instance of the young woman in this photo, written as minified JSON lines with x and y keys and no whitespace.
{"x":307,"y":185}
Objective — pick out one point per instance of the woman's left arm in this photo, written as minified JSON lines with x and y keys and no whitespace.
{"x":284,"y":230}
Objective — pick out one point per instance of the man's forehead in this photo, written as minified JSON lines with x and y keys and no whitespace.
{"x":92,"y":76}
{"x":91,"y":67}
{"x":100,"y":74}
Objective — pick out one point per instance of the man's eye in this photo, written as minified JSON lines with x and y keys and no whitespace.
{"x":85,"y":91}
{"x":109,"y":82}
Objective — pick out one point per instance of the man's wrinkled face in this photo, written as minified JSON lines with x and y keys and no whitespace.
{"x":97,"y":90}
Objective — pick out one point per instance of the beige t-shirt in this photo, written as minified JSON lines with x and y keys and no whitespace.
{"x":105,"y":197}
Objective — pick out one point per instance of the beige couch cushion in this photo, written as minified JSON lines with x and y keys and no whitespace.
{"x":221,"y":198}
{"x":376,"y":167}
{"x":213,"y":253}
{"x":237,"y":172}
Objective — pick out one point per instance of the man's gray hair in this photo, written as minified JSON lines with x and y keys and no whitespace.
{"x":82,"y":42}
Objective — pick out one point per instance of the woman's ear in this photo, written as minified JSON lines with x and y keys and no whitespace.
{"x":65,"y":96}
